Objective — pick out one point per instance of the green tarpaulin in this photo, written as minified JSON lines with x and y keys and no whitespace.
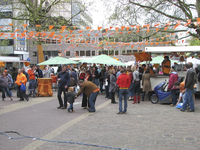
{"x":103,"y":59}
{"x":58,"y":61}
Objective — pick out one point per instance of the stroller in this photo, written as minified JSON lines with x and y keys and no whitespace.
{"x":160,"y":95}
{"x":32,"y":88}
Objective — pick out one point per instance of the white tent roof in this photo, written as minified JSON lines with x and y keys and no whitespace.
{"x":9,"y":59}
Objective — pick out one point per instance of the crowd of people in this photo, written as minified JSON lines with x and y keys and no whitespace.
{"x":109,"y":80}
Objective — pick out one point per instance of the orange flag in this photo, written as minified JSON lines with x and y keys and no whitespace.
{"x":17,"y":30}
{"x":157,"y":39}
{"x":24,"y":25}
{"x":132,"y":46}
{"x":111,"y":28}
{"x":198,"y":20}
{"x":99,"y":28}
{"x":80,"y":31}
{"x":96,"y":34}
{"x":74,"y":27}
{"x":157,"y":29}
{"x":165,"y":28}
{"x":163,"y":38}
{"x":88,"y":35}
{"x":116,"y":28}
{"x":70,"y":31}
{"x":127,"y":28}
{"x":87,"y":28}
{"x":138,"y":27}
{"x":138,"y":31}
{"x":10,"y":24}
{"x":51,"y":27}
{"x":104,"y":33}
{"x":63,"y":28}
{"x":112,"y":33}
{"x":11,"y":34}
{"x":81,"y":34}
{"x":148,"y":30}
{"x":129,"y":32}
{"x":106,"y":30}
{"x":122,"y":28}
{"x":38,"y":25}
{"x":156,"y":24}
{"x":121,"y":32}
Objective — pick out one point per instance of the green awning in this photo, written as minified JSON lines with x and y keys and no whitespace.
{"x":58,"y":61}
{"x":103,"y":59}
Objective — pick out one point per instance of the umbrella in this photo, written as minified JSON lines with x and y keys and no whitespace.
{"x":57,"y":61}
{"x":103,"y":59}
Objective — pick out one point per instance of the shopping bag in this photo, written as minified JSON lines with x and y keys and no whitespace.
{"x":103,"y":87}
{"x":106,"y":83}
{"x":23,"y":88}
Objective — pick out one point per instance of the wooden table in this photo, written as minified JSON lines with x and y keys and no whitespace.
{"x":44,"y":87}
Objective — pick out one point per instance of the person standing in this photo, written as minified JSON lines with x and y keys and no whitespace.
{"x":32,"y":81}
{"x":39,"y":72}
{"x":173,"y":77}
{"x":21,"y":78}
{"x":5,"y":81}
{"x":106,"y":81}
{"x":70,"y":98}
{"x":101,"y":77}
{"x":63,"y":82}
{"x":189,"y":87}
{"x":91,"y":90}
{"x":136,"y":86}
{"x":113,"y":86}
{"x":146,"y":83}
{"x":11,"y":83}
{"x":14,"y":76}
{"x":123,"y":82}
{"x":95,"y":76}
{"x":130,"y":74}
{"x":166,"y":65}
{"x":47,"y":72}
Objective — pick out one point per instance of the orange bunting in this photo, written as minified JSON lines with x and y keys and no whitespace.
{"x":99,"y":28}
{"x":87,"y":28}
{"x":165,"y":28}
{"x":138,"y":27}
{"x":127,"y":28}
{"x":17,"y":30}
{"x":121,"y":32}
{"x":132,"y":46}
{"x":11,"y":24}
{"x":122,"y":28}
{"x":157,"y":29}
{"x":63,"y":28}
{"x":106,"y":30}
{"x":137,"y":31}
{"x":116,"y":28}
{"x":70,"y":31}
{"x":198,"y":20}
{"x":148,"y":30}
{"x":74,"y":27}
{"x":51,"y":27}
{"x":81,"y":34}
{"x":111,"y":28}
{"x":80,"y":31}
{"x":156,"y":24}
{"x":38,"y":25}
{"x":104,"y":33}
{"x":96,"y":34}
{"x":129,"y":32}
{"x":24,"y":25}
{"x":88,"y":35}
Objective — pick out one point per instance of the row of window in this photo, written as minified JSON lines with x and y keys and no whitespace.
{"x":6,"y":42}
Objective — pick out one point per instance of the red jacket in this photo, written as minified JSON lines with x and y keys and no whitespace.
{"x":123,"y":81}
{"x":82,"y":76}
{"x":131,"y":76}
{"x":172,"y":79}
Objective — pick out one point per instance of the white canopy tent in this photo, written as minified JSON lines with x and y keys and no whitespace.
{"x":9,"y":59}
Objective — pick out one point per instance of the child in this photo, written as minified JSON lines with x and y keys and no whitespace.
{"x":70,"y":98}
{"x":174,"y":91}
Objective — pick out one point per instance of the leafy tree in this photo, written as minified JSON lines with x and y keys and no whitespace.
{"x":194,"y":42}
{"x":137,"y":12}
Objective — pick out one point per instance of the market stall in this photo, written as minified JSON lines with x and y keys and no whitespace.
{"x":44,"y":87}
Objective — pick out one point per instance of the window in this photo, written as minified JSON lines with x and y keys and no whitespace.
{"x":116,"y":39}
{"x":77,"y":53}
{"x":34,"y":54}
{"x":48,"y":41}
{"x":6,"y":42}
{"x":82,"y":53}
{"x":129,"y":51}
{"x":6,"y":14}
{"x":116,"y":52}
{"x":53,"y":41}
{"x":123,"y":51}
{"x":111,"y":52}
{"x":68,"y":53}
{"x":100,"y":39}
{"x":93,"y":53}
{"x":88,"y":53}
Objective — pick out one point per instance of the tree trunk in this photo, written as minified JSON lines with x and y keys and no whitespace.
{"x":40,"y":55}
{"x":198,"y":7}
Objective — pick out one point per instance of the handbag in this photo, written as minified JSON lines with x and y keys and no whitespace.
{"x":23,"y":88}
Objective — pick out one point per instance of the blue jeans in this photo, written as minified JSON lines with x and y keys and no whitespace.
{"x":123,"y":93}
{"x":5,"y":90}
{"x":92,"y":100}
{"x":70,"y":106}
{"x":131,"y":90}
{"x":188,"y":99}
{"x":96,"y":81}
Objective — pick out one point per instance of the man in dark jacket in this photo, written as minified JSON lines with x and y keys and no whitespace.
{"x":63,"y":82}
{"x":189,"y":86}
{"x":95,"y":76}
{"x":39,"y":72}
